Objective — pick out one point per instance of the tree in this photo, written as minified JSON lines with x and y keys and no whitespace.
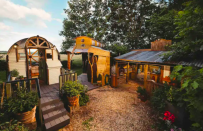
{"x":189,"y":40}
{"x":109,"y":21}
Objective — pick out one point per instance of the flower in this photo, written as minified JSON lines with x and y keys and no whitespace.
{"x":169,"y":116}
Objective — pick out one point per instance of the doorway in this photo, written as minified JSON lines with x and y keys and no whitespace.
{"x":37,"y":65}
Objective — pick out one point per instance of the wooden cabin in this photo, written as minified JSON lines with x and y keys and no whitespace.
{"x":35,"y":57}
{"x":96,"y":61}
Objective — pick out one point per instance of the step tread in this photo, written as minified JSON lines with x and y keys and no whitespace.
{"x":49,"y":101}
{"x":58,"y":123}
{"x":54,"y":114}
{"x":51,"y":107}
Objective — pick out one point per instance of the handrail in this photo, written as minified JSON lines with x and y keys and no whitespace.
{"x":37,"y":84}
{"x":9,"y":77}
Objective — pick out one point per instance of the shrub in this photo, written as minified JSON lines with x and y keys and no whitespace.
{"x":159,"y":97}
{"x":142,"y":91}
{"x":22,"y":101}
{"x":14,"y":73}
{"x":73,"y":88}
{"x":84,"y":98}
{"x":13,"y":126}
{"x":3,"y":65}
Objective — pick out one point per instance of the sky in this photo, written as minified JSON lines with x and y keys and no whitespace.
{"x":26,"y":18}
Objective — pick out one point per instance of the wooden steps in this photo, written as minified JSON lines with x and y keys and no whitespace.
{"x":53,"y":111}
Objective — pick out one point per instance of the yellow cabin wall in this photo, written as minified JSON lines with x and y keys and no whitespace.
{"x":20,"y":65}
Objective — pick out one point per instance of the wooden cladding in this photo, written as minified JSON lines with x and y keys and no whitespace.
{"x":160,"y":45}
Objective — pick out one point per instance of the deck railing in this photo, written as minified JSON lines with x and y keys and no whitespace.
{"x":71,"y":76}
{"x":151,"y":86}
{"x":11,"y":86}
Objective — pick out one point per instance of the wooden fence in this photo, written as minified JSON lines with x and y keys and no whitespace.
{"x":71,"y":76}
{"x":151,"y":86}
{"x":11,"y":86}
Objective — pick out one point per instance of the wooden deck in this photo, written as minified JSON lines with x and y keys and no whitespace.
{"x":53,"y":111}
{"x":83,"y":79}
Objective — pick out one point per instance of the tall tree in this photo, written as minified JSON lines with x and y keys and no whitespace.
{"x":189,"y":40}
{"x":109,"y":21}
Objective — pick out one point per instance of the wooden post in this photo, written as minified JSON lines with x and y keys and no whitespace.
{"x":68,"y":64}
{"x":145,"y":76}
{"x":18,"y":85}
{"x":92,"y":70}
{"x":8,"y":90}
{"x":60,"y":82}
{"x":40,"y":112}
{"x":24,"y":84}
{"x":127,"y":76}
{"x":68,"y":77}
{"x":16,"y":55}
{"x":64,"y":78}
{"x":30,"y":83}
{"x":117,"y":71}
{"x":76,"y":77}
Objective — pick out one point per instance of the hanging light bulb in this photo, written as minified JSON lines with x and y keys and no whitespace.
{"x":15,"y":45}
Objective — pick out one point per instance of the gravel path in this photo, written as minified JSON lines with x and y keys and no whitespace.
{"x":112,"y":109}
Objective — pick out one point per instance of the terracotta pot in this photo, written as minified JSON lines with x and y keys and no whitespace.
{"x":73,"y":101}
{"x":26,"y":117}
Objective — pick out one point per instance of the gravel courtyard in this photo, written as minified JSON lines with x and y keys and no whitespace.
{"x":112,"y":109}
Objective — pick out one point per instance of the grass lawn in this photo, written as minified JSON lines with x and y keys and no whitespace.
{"x":3,"y":76}
{"x":76,"y":65}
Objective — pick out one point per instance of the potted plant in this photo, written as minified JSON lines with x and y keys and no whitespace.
{"x":142,"y":93}
{"x":23,"y":105}
{"x":21,"y":77}
{"x":72,"y":90}
{"x":14,"y":74}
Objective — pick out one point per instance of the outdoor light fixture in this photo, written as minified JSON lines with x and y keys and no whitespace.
{"x":15,"y":45}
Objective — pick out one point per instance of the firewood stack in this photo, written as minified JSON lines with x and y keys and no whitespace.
{"x":160,"y":45}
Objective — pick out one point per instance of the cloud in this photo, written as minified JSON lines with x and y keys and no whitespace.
{"x":59,"y":20}
{"x":23,"y":14}
{"x":4,"y":27}
{"x":35,"y":3}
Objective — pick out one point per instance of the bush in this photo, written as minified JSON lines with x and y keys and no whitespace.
{"x":13,"y":126}
{"x":159,"y":98}
{"x":3,"y":65}
{"x":84,"y":98}
{"x":22,"y":101}
{"x":73,"y":88}
{"x":142,"y":91}
{"x":14,"y":73}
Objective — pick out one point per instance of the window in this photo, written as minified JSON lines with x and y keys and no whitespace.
{"x":21,"y":56}
{"x":49,"y":56}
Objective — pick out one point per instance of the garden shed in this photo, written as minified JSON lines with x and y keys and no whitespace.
{"x":35,"y":57}
{"x":96,"y":60}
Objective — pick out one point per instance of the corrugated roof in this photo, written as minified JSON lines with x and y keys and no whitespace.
{"x":153,"y":57}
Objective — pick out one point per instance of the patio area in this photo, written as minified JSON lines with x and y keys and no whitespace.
{"x":115,"y":109}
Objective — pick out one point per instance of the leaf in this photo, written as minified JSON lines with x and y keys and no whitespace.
{"x":196,"y":124}
{"x":195,"y":85}
{"x":185,"y":84}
